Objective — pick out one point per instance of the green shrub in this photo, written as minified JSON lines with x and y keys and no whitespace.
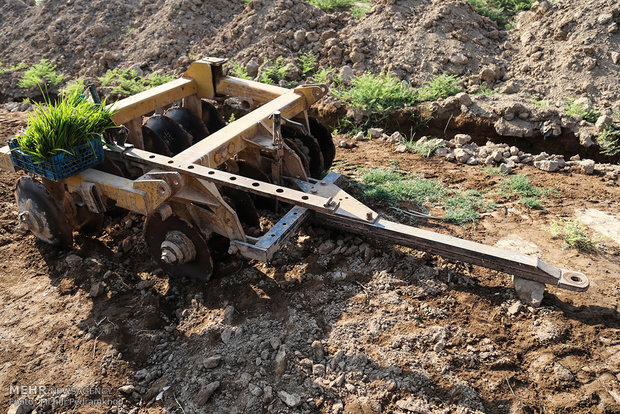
{"x":76,"y":86}
{"x":609,"y":141}
{"x":56,"y":127}
{"x":329,"y":5}
{"x":321,"y":75}
{"x":577,"y":109}
{"x":127,"y":82}
{"x":442,"y":86}
{"x":378,"y":93}
{"x":273,"y":73}
{"x":238,"y":70}
{"x":500,"y":11}
{"x":306,"y":63}
{"x":41,"y":75}
{"x":465,"y":208}
{"x":426,"y":147}
{"x":574,"y":234}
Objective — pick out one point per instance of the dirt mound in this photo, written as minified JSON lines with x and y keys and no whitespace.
{"x":567,"y":48}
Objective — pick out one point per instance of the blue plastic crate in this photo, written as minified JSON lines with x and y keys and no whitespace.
{"x":61,"y":165}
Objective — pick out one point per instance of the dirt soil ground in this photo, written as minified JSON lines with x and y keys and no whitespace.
{"x":324,"y":327}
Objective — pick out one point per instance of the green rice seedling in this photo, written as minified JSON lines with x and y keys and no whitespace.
{"x":56,"y":127}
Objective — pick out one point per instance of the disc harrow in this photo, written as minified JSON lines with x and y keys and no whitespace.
{"x":195,"y":177}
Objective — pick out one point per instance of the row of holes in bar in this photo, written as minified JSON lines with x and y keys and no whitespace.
{"x":233,"y":178}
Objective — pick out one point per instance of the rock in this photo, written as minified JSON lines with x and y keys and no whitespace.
{"x":96,"y":289}
{"x":73,"y":260}
{"x":604,"y":18}
{"x":281,"y":362}
{"x":575,"y":157}
{"x":255,"y":390}
{"x":346,"y":74}
{"x":299,"y":36}
{"x":375,"y":133}
{"x":459,"y":59}
{"x":587,"y":166}
{"x":397,"y":137}
{"x":326,"y":247}
{"x":212,"y":362}
{"x":318,"y":351}
{"x":267,"y":394}
{"x":415,"y":405}
{"x":464,"y":98}
{"x":206,"y":393}
{"x":547,"y":165}
{"x":602,"y":122}
{"x":615,"y":57}
{"x":22,"y":406}
{"x":356,"y":57}
{"x":487,"y":75}
{"x":504,"y":168}
{"x":361,"y":137}
{"x":291,"y":400}
{"x":529,"y":291}
{"x":318,"y":370}
{"x":461,"y":155}
{"x":127,"y":389}
{"x":339,"y":275}
{"x":401,"y":148}
{"x":461,"y":139}
{"x":514,"y":308}
{"x":442,"y":152}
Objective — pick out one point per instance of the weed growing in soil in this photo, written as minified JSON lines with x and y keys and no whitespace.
{"x":577,"y":109}
{"x":76,"y":86}
{"x":464,"y":208}
{"x":383,"y":184}
{"x":56,"y":127}
{"x":360,"y":9}
{"x":529,"y":195}
{"x":127,"y":82}
{"x":424,"y":147}
{"x":500,"y":10}
{"x":306,"y":63}
{"x":574,"y":234}
{"x":41,"y":75}
{"x":329,"y":5}
{"x":609,"y":141}
{"x":238,"y":70}
{"x":379,"y":93}
{"x":273,"y":73}
{"x":321,"y":76}
{"x":486,"y":90}
{"x":443,"y":86}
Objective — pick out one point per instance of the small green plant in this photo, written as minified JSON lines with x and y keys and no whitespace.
{"x":232,"y":118}
{"x":529,"y":195}
{"x":307,"y":61}
{"x":359,"y":10}
{"x":322,"y":74}
{"x":246,"y":2}
{"x":538,"y":103}
{"x":442,"y":86}
{"x":609,"y":141}
{"x":2,"y":68}
{"x":41,"y":75}
{"x":486,"y":90}
{"x":424,"y":147}
{"x":127,"y":82}
{"x":378,"y":93}
{"x":26,"y":100}
{"x":56,"y":127}
{"x":76,"y":86}
{"x":574,"y":234}
{"x":464,"y":208}
{"x":18,"y":66}
{"x":577,"y":109}
{"x":273,"y":73}
{"x":238,"y":70}
{"x":500,"y":10}
{"x":329,"y":5}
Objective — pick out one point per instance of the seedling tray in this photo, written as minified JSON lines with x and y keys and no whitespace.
{"x":61,"y":165}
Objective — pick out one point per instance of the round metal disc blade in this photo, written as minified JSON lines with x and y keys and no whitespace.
{"x":153,"y":143}
{"x":173,"y":135}
{"x":243,"y":205}
{"x":211,"y":117}
{"x":189,"y":122}
{"x":304,"y":159}
{"x":324,"y":138}
{"x":32,"y":196}
{"x":309,"y":143}
{"x":155,"y":230}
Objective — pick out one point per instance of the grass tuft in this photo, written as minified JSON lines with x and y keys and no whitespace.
{"x":329,"y":5}
{"x":127,"y":82}
{"x":574,"y":234}
{"x":500,"y":11}
{"x":41,"y":75}
{"x":529,"y":195}
{"x":424,"y":147}
{"x":238,"y":70}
